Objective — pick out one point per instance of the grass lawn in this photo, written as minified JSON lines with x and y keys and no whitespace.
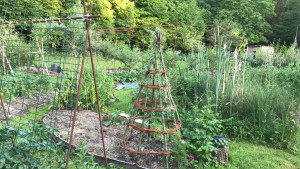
{"x":247,"y":155}
{"x":123,"y":102}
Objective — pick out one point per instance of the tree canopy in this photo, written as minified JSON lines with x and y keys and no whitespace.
{"x":259,"y":21}
{"x":289,"y":21}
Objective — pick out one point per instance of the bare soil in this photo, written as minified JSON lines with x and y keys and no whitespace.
{"x":21,"y":105}
{"x":87,"y":129}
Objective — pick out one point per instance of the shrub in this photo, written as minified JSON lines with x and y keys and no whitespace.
{"x":199,"y":128}
{"x":127,"y":76}
{"x":130,"y":56}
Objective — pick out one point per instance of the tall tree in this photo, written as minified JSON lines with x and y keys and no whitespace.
{"x":251,"y":15}
{"x":152,"y":11}
{"x":115,"y":13}
{"x":286,"y":29}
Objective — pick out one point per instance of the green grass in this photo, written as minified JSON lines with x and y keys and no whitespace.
{"x":246,"y":155}
{"x":123,"y":102}
{"x":33,"y":115}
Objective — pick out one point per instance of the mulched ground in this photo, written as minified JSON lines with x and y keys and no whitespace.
{"x":87,"y":129}
{"x":20,"y":106}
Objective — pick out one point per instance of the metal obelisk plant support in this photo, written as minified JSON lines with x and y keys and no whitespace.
{"x":87,"y":41}
{"x":154,"y":104}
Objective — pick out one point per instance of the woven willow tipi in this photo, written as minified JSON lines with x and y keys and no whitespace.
{"x":154,"y":113}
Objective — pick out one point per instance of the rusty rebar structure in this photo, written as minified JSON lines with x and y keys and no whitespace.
{"x":87,"y":42}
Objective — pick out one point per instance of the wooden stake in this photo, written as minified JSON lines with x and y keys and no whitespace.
{"x":42,"y":54}
{"x":3,"y":57}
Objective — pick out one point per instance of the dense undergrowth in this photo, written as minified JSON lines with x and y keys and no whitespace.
{"x":257,"y":104}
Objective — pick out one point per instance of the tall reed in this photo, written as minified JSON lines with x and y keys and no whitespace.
{"x":257,"y":102}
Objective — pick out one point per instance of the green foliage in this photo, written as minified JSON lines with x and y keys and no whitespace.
{"x":61,"y":34}
{"x":26,"y":84}
{"x":81,"y":160}
{"x":88,"y":98}
{"x":131,"y":57}
{"x":256,"y":103}
{"x":179,"y":153}
{"x":199,"y":128}
{"x":270,"y":120}
{"x":127,"y":76}
{"x":105,"y":87}
{"x":113,"y":119}
{"x":35,"y":9}
{"x":33,"y":148}
{"x":286,"y":28}
{"x":151,"y":11}
{"x":27,"y":141}
{"x":115,"y":13}
{"x":289,"y":76}
{"x":17,"y":58}
{"x":249,"y":15}
{"x":12,"y":10}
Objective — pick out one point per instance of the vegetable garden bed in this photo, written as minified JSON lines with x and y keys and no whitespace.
{"x":87,"y":129}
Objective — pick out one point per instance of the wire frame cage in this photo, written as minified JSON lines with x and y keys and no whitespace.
{"x":43,"y":47}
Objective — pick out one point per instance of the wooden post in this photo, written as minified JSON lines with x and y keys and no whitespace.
{"x":3,"y":57}
{"x":222,"y":155}
{"x":42,"y":54}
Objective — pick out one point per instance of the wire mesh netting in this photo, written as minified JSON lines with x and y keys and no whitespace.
{"x":40,"y":60}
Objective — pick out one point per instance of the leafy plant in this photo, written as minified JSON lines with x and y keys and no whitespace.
{"x":81,"y":160}
{"x":30,"y":146}
{"x":113,"y":119}
{"x":88,"y":98}
{"x":179,"y":152}
{"x":26,"y":84}
{"x":127,"y":76}
{"x":199,"y":128}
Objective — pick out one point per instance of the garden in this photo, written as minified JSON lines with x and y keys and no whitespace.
{"x":83,"y":90}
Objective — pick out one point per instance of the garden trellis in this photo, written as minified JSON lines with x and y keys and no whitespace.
{"x":42,"y":52}
{"x":43,"y":49}
{"x":154,"y":105}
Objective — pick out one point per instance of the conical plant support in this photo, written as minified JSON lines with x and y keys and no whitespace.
{"x":154,"y":106}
